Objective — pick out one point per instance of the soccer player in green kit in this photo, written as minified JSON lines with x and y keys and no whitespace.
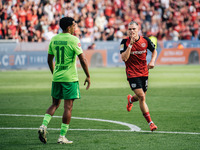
{"x":64,"y":47}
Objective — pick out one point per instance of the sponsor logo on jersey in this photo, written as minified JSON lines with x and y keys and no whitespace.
{"x":139,"y":52}
{"x":143,"y":44}
{"x":79,"y":44}
{"x":121,"y":47}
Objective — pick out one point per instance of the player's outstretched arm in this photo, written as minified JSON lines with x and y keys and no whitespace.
{"x":50,"y":62}
{"x":84,"y":65}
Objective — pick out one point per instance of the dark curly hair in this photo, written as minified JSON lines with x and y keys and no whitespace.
{"x":66,"y":22}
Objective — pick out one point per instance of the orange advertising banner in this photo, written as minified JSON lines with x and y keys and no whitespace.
{"x":95,"y":58}
{"x":179,"y":56}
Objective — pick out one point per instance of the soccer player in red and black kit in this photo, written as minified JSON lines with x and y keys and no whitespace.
{"x":133,"y":52}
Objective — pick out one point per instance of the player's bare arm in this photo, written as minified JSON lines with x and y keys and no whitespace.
{"x":50,"y":62}
{"x":125,"y":55}
{"x":153,"y":59}
{"x":85,"y":68}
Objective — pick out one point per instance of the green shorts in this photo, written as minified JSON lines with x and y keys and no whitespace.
{"x":65,"y":90}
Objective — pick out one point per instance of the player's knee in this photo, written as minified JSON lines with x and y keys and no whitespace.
{"x":56,"y":105}
{"x":141,"y":97}
{"x":68,"y":108}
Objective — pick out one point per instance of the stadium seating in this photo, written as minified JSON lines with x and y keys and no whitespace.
{"x":99,"y":20}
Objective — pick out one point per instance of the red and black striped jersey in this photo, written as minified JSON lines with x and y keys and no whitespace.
{"x":136,"y":65}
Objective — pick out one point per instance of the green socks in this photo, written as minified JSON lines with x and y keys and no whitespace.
{"x":64,"y":128}
{"x":46,"y":119}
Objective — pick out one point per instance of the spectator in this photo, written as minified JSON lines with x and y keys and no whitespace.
{"x":88,"y":37}
{"x":186,"y":35}
{"x":97,"y":34}
{"x":119,"y":34}
{"x":111,"y":20}
{"x":101,"y":21}
{"x":92,"y":46}
{"x":29,"y":14}
{"x":49,"y":10}
{"x":34,"y":16}
{"x":54,"y":26}
{"x":89,"y":22}
{"x":40,"y":13}
{"x":109,"y":34}
{"x":48,"y":35}
{"x":108,"y":9}
{"x":174,"y":35}
{"x":22,"y":14}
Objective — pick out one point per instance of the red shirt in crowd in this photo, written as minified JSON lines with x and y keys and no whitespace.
{"x":22,"y":16}
{"x":34,"y":19}
{"x":89,"y":22}
{"x":13,"y":29}
{"x":54,"y":26}
{"x":58,"y":7}
{"x":108,"y":11}
{"x":136,"y":65}
{"x":177,"y":28}
{"x":196,"y":28}
{"x":194,"y":16}
{"x":29,"y":15}
{"x":118,"y":3}
{"x":111,"y":21}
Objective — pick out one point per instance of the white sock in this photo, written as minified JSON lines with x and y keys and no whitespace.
{"x":150,"y":123}
{"x":130,"y":100}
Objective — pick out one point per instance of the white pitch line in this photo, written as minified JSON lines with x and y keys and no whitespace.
{"x":56,"y":129}
{"x":105,"y":130}
{"x":170,"y":132}
{"x":132,"y":127}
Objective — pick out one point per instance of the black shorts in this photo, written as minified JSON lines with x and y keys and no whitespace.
{"x":138,"y":82}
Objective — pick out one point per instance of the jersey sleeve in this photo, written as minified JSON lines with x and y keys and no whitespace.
{"x":50,"y":51}
{"x":151,"y":46}
{"x":123,"y":46}
{"x":77,"y":46}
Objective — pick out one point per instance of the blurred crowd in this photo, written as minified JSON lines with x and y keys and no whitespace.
{"x":100,"y":20}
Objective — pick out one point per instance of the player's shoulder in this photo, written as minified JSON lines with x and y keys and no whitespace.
{"x":146,"y":38}
{"x":151,"y":45}
{"x":54,"y":37}
{"x":74,"y":39}
{"x":124,"y":40}
{"x":57,"y":37}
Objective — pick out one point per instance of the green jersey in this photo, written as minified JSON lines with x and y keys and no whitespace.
{"x":65,"y":47}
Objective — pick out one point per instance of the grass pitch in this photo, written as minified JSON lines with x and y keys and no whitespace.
{"x":173,"y":98}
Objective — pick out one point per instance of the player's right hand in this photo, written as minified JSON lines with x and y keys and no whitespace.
{"x":132,"y":40}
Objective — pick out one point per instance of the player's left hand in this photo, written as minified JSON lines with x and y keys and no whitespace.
{"x":87,"y":80}
{"x":151,"y":65}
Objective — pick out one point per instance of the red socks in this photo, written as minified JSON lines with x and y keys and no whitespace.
{"x":132,"y":99}
{"x":147,"y":117}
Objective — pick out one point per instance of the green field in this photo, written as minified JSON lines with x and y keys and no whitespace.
{"x":173,"y":98}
